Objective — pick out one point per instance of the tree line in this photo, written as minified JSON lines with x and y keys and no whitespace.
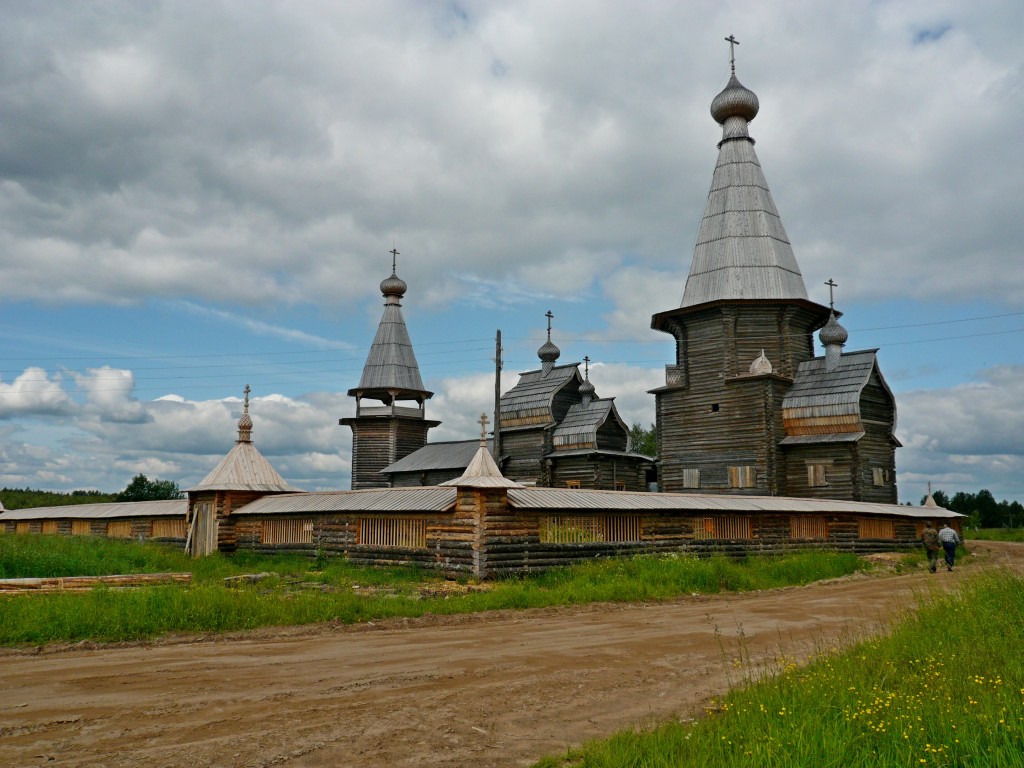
{"x":141,"y":488}
{"x":982,"y":509}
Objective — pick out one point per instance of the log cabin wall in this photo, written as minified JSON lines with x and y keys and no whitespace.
{"x":525,"y":449}
{"x":378,"y":442}
{"x":710,"y":415}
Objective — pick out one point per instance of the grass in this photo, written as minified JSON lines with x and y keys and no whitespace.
{"x":338,"y":591}
{"x":946,"y":688}
{"x":994,"y":534}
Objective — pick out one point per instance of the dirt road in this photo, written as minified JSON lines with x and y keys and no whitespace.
{"x":489,"y":690}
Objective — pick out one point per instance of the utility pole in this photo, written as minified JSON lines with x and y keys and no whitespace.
{"x":497,"y":398}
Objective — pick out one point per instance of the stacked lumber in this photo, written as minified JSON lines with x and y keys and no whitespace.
{"x":84,"y":583}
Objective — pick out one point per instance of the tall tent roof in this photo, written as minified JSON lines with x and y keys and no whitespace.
{"x":742,"y":249}
{"x":244,"y":468}
{"x":391,"y":371}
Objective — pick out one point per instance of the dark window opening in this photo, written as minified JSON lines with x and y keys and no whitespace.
{"x":714,"y":407}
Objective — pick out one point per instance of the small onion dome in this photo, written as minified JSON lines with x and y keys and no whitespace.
{"x":548,"y":352}
{"x":587,"y":389}
{"x":734,"y":101}
{"x":393,"y":286}
{"x":761,"y":365}
{"x":833,"y":332}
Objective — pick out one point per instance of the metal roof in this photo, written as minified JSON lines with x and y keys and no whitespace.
{"x":391,"y":363}
{"x":244,"y":469}
{"x":742,"y":250}
{"x":433,"y":456}
{"x":530,"y":400}
{"x":166,"y":508}
{"x":427,"y":499}
{"x":563,"y":498}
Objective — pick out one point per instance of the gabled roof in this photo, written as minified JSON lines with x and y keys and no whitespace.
{"x":434,"y":456}
{"x":824,"y":402}
{"x":430,"y":499}
{"x":102,"y":510}
{"x":530,"y":400}
{"x":244,"y":469}
{"x":579,"y":427}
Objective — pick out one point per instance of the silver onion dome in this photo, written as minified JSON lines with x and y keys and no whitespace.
{"x":734,"y":101}
{"x":548,"y":352}
{"x":833,"y":332}
{"x":393,"y":286}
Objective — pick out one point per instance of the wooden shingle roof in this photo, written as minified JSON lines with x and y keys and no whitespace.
{"x":530,"y":401}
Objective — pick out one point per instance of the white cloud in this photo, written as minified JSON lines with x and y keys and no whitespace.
{"x":34,"y":393}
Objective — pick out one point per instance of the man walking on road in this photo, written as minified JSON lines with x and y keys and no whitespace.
{"x":932,"y":545}
{"x":950,"y":539}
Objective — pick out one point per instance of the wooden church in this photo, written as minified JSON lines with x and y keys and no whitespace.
{"x":747,"y":408}
{"x":555,"y":431}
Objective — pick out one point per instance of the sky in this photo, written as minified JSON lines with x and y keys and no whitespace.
{"x":196,"y":196}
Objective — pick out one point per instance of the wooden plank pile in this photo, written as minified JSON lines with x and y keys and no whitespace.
{"x":85,"y":583}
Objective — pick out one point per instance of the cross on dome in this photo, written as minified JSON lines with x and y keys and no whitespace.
{"x":831,"y":299}
{"x":733,"y":42}
{"x":484,"y":421}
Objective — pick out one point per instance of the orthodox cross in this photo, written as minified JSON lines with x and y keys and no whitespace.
{"x":549,"y":316}
{"x":394,"y":257}
{"x":247,"y":391}
{"x":733,"y":42}
{"x":586,"y":366}
{"x":483,"y":428}
{"x":831,"y":299}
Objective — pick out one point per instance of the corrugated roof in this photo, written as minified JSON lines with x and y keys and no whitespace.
{"x":166,"y":508}
{"x":742,"y":250}
{"x":428,"y":499}
{"x":564,"y":498}
{"x":244,"y":469}
{"x":532,"y":396}
{"x":434,"y":456}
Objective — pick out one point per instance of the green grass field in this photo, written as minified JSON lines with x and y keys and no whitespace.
{"x":301,"y":590}
{"x":945,"y":689}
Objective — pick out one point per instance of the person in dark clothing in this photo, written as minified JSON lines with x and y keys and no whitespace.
{"x":932,"y":545}
{"x":950,"y":539}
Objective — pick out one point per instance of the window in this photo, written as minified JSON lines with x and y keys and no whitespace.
{"x":879,"y":476}
{"x":721,"y":527}
{"x":119,"y":529}
{"x":404,"y":532}
{"x":293,"y":531}
{"x":572,"y":483}
{"x":714,"y":407}
{"x":50,"y":527}
{"x":742,"y":477}
{"x":817,"y":475}
{"x":872,"y":528}
{"x":587,"y":529}
{"x":620,"y":485}
{"x":691,"y":478}
{"x":808,"y":527}
{"x":81,"y":528}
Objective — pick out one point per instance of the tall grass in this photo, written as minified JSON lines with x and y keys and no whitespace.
{"x":994,"y":534}
{"x":339,"y":591}
{"x":945,"y":689}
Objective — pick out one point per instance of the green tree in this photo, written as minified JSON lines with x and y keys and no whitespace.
{"x":644,"y":441}
{"x":141,"y":488}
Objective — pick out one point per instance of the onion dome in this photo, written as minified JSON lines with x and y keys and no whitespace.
{"x":393,"y":286}
{"x":245,"y":423}
{"x":761,"y":365}
{"x":833,"y":332}
{"x":587,"y":391}
{"x":548,"y":352}
{"x":734,"y":101}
